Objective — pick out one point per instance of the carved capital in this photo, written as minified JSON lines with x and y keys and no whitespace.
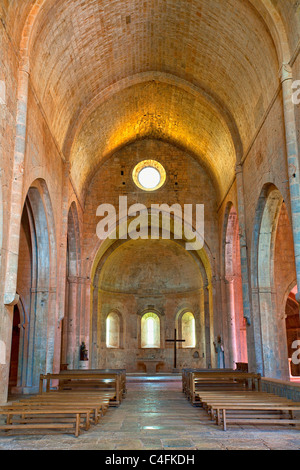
{"x":11,"y":299}
{"x":285,"y":73}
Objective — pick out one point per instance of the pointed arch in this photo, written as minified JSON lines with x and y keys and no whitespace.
{"x":269,"y":326}
{"x":36,"y":286}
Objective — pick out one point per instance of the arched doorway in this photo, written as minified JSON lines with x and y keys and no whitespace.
{"x":36,"y":292}
{"x":15,"y":345}
{"x":144,"y":277}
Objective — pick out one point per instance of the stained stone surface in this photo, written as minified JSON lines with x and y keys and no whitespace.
{"x":155,"y":415}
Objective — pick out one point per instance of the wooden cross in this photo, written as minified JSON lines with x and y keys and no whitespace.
{"x":175,"y":341}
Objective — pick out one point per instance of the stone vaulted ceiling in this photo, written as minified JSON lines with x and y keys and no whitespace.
{"x":197,"y":73}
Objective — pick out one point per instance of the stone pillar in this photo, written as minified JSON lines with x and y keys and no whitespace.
{"x":223,"y":329}
{"x":15,"y":212}
{"x":93,"y":344}
{"x":62,"y":266}
{"x":86,"y":311}
{"x":231,"y":321}
{"x":207,"y":326}
{"x":243,"y":244}
{"x":217,"y":303}
{"x":73,"y":343}
{"x":254,"y":337}
{"x":202,"y":327}
{"x":14,"y":222}
{"x":293,"y":162}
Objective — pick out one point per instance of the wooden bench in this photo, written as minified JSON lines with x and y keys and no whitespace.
{"x":120,"y":372}
{"x":249,"y":407}
{"x":221,"y":380}
{"x":45,"y":417}
{"x":186,"y":376}
{"x":255,"y":413}
{"x":98,"y":404}
{"x":80,"y":399}
{"x":84,"y":381}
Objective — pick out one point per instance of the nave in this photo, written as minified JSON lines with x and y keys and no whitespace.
{"x":157,"y":416}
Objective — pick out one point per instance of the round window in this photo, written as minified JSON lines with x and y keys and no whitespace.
{"x":149,"y":175}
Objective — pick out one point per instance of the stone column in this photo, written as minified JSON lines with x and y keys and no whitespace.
{"x":73,"y":344}
{"x":207,"y":326}
{"x":14,"y":222}
{"x":15,"y":212}
{"x":93,"y":343}
{"x":202,"y":327}
{"x":293,"y":162}
{"x":254,"y":336}
{"x":243,"y":244}
{"x":217,"y":303}
{"x":62,"y":266}
{"x":231,"y":321}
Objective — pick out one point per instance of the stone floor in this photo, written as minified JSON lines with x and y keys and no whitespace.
{"x":156,"y":416}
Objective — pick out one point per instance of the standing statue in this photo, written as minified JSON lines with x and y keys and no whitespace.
{"x":220,"y":352}
{"x":83,"y":352}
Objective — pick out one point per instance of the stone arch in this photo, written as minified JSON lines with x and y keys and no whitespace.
{"x":269,"y":325}
{"x":265,"y":8}
{"x":36,"y":286}
{"x":206,"y":301}
{"x":275,"y":25}
{"x":26,"y":36}
{"x":146,"y":77}
{"x":22,"y":343}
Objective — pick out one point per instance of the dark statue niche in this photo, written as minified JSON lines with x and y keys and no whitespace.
{"x":83,"y":352}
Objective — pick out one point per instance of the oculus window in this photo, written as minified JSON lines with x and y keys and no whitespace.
{"x":149,"y":175}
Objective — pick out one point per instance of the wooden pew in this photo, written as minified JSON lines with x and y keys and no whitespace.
{"x":249,"y":407}
{"x":121,"y":372}
{"x":221,"y":380}
{"x":269,"y":413}
{"x":97,"y":403}
{"x":81,"y":398}
{"x":186,"y":376}
{"x":84,"y":381}
{"x":45,"y":417}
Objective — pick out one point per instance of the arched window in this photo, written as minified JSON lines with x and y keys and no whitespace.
{"x":150,"y":326}
{"x":188,"y":330}
{"x":113,"y":330}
